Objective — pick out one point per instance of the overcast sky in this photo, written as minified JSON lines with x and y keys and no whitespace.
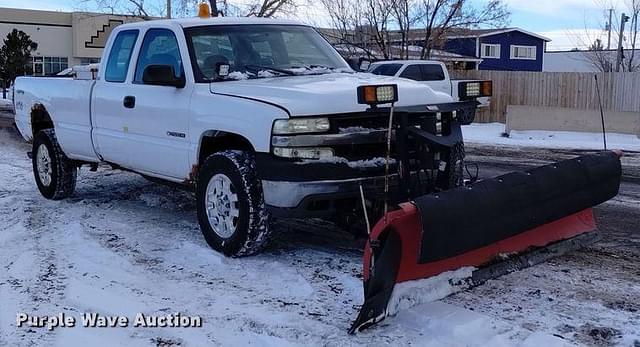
{"x":569,"y":23}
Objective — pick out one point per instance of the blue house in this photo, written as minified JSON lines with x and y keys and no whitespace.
{"x":510,"y":49}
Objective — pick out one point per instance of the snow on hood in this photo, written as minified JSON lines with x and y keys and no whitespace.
{"x":325,"y":94}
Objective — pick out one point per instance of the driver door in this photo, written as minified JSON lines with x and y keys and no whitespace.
{"x":158,"y":125}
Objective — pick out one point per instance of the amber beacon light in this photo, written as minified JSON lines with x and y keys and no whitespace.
{"x":204,"y":11}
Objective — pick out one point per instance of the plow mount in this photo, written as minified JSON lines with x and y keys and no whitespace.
{"x":495,"y":225}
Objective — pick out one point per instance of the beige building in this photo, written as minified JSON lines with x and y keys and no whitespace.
{"x":64,"y":38}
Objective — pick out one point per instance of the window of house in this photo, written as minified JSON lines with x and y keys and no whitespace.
{"x":159,"y":47}
{"x":119,"y":56}
{"x":523,"y":52}
{"x":490,"y":51}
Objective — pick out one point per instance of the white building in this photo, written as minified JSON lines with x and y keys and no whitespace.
{"x":581,"y":61}
{"x":64,"y":38}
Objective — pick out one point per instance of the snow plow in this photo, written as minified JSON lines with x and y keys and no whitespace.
{"x":493,"y":226}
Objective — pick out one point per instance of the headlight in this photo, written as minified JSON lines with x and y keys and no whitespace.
{"x":303,"y":152}
{"x":300,"y":125}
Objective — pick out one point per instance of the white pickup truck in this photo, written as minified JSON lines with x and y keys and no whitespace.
{"x":435,"y":75}
{"x":261,"y":117}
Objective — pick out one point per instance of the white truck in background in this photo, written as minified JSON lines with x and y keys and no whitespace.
{"x":435,"y":75}
{"x":261,"y":117}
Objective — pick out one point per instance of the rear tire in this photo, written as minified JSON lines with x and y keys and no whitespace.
{"x":231,"y":209}
{"x":55,"y":174}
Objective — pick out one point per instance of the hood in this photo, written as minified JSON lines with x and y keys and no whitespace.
{"x":325,"y":94}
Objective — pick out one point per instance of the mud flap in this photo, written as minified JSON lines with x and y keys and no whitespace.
{"x":484,"y":223}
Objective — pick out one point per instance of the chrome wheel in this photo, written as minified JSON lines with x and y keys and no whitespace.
{"x":44,"y":165}
{"x":222,"y":205}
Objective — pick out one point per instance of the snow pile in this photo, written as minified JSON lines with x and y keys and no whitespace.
{"x":266,"y":74}
{"x":357,"y":164}
{"x":412,"y":293}
{"x":238,"y":76}
{"x":356,"y":129}
{"x":492,"y":133}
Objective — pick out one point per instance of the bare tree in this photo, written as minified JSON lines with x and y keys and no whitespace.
{"x":139,"y":8}
{"x":631,"y":62}
{"x":441,"y":17}
{"x":600,"y":58}
{"x":388,"y":28}
{"x":157,"y":8}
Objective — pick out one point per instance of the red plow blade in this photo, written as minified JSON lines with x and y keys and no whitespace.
{"x":496,"y":226}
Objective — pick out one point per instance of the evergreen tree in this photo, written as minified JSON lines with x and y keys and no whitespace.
{"x":15,"y":56}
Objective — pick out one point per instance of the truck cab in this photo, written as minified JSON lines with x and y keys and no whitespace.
{"x":261,"y":117}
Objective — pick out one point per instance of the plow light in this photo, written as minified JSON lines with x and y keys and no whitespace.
{"x":475,"y":89}
{"x":300,"y":125}
{"x":375,"y":95}
{"x":303,"y":152}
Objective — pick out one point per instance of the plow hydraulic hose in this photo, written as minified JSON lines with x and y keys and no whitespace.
{"x":477,"y":224}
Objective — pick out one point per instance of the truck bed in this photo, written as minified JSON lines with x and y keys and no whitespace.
{"x":68,"y":101}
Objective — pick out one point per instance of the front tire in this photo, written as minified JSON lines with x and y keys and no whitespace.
{"x":55,"y":174}
{"x":231,"y":209}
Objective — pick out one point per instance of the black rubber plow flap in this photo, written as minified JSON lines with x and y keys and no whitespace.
{"x":491,"y":210}
{"x":518,"y":214}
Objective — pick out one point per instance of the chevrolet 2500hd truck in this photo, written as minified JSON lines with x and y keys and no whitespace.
{"x":261,"y":117}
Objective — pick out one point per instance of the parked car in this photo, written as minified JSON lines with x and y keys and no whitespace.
{"x":435,"y":75}
{"x":261,"y":117}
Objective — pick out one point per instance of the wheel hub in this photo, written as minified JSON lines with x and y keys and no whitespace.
{"x":43,"y":163}
{"x":222,"y":205}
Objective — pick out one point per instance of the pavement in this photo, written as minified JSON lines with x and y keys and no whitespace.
{"x":122,"y":245}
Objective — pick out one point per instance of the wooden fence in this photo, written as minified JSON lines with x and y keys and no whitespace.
{"x":619,"y":91}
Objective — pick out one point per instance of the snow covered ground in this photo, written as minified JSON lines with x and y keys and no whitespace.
{"x":492,"y":133}
{"x":122,"y":245}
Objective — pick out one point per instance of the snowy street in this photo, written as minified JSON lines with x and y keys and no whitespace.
{"x":123,"y":245}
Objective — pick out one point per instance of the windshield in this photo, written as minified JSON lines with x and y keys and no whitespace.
{"x":256,"y":51}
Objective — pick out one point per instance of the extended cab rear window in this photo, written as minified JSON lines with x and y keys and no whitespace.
{"x":120,"y":55}
{"x":386,"y":69}
{"x":424,"y":72}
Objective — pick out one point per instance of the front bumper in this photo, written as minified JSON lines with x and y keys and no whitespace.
{"x":321,"y":198}
{"x":328,"y":186}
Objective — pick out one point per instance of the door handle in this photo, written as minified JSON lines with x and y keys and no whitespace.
{"x":129,"y":101}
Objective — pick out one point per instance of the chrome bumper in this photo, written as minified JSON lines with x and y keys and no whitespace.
{"x":290,"y":194}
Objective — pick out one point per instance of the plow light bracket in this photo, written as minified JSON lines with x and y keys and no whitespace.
{"x":378,"y":94}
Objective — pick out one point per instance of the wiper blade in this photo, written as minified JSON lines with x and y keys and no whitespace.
{"x":257,"y":68}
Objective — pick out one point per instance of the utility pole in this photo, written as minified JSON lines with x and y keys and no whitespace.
{"x":169,"y":9}
{"x":623,"y":20}
{"x":609,"y":28}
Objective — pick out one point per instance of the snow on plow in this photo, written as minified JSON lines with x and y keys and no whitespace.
{"x":496,"y":226}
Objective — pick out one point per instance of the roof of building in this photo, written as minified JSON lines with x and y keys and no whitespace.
{"x":463,"y":33}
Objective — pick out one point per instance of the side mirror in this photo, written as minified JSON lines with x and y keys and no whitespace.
{"x":162,"y":75}
{"x":365,"y":65}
